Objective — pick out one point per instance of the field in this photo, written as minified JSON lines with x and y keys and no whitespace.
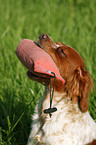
{"x":72,"y":22}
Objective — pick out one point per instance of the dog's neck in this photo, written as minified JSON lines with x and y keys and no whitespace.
{"x":61,"y":101}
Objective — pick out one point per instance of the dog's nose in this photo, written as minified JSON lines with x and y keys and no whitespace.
{"x":43,"y":36}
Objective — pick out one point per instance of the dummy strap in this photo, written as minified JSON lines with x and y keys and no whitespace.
{"x":54,"y":109}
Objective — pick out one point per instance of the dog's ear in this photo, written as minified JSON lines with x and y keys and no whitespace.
{"x":85,"y":84}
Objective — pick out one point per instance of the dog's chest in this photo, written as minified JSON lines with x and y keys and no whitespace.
{"x":68,"y":125}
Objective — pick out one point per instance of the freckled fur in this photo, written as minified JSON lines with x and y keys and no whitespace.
{"x":66,"y":126}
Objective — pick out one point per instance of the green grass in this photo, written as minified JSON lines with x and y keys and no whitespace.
{"x":72,"y":22}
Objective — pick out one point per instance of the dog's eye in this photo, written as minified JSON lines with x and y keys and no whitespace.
{"x":62,"y":53}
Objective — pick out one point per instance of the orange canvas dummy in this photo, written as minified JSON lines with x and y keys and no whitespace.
{"x":36,"y":60}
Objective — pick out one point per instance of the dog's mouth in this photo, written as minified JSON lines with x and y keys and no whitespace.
{"x":35,"y":77}
{"x":45,"y":80}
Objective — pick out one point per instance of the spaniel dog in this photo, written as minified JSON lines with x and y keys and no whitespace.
{"x":71,"y":124}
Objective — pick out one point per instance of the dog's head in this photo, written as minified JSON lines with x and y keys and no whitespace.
{"x":71,"y":67}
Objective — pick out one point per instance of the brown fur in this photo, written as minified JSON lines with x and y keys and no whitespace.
{"x":72,"y":68}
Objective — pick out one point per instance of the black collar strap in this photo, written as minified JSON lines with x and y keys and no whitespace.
{"x":54,"y":109}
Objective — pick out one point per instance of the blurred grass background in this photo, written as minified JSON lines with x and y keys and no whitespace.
{"x":72,"y":22}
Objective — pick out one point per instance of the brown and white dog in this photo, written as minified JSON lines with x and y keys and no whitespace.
{"x":71,"y":124}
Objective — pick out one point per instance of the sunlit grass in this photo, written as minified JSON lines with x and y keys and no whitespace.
{"x":72,"y":22}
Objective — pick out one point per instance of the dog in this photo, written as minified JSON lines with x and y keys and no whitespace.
{"x":71,"y":124}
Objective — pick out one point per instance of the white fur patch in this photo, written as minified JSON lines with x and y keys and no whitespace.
{"x":67,"y":126}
